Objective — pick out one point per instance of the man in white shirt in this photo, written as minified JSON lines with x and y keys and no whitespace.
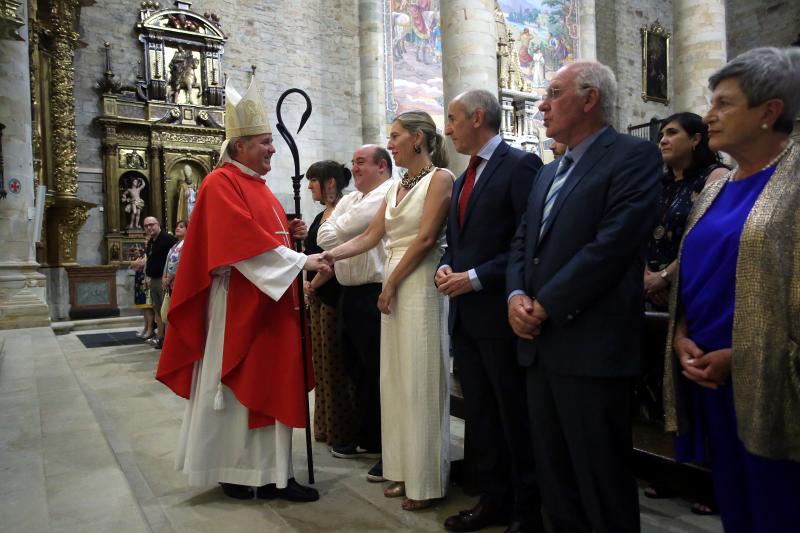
{"x":361,"y":278}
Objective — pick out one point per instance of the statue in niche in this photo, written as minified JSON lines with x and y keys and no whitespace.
{"x":133,"y":202}
{"x":186,"y":195}
{"x":182,"y":78}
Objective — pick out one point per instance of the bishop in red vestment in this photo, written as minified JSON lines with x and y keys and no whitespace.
{"x":233,"y":348}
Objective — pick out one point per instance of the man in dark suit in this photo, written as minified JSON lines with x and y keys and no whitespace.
{"x":487,"y":204}
{"x":576,"y":301}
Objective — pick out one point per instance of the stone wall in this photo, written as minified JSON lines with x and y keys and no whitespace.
{"x":619,"y":46}
{"x":310,"y":44}
{"x":753,"y":24}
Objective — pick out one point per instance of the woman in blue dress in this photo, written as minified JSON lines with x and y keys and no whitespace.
{"x":732,"y":376}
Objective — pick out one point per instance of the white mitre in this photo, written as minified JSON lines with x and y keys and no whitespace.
{"x":244,"y":115}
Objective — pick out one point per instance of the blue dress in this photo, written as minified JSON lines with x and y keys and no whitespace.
{"x":754,"y":493}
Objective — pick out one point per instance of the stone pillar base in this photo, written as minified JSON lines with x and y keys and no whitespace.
{"x":23,"y":297}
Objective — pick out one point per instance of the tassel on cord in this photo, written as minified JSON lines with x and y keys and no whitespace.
{"x":219,"y":400}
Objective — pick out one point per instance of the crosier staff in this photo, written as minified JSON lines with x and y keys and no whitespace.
{"x":298,"y":246}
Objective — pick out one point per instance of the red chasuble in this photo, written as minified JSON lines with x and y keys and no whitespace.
{"x":237,"y":217}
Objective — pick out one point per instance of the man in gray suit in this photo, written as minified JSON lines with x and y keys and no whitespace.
{"x":575,"y":300}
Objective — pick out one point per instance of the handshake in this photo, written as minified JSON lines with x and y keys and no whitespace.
{"x":320,"y":262}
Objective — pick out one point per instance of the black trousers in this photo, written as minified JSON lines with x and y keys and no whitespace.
{"x":360,"y":336}
{"x":583,"y":447}
{"x":497,"y":422}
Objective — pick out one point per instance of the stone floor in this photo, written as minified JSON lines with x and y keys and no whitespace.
{"x":87,"y":439}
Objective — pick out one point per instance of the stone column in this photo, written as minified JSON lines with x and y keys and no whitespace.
{"x":22,"y":287}
{"x":700,"y":42}
{"x":373,"y":92}
{"x":587,"y":31}
{"x":469,"y":53}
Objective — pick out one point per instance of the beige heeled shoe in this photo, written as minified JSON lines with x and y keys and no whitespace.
{"x":395,"y":490}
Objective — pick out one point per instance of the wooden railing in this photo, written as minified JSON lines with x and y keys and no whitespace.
{"x":647,"y":131}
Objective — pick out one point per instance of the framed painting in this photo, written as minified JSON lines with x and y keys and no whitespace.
{"x":655,"y":63}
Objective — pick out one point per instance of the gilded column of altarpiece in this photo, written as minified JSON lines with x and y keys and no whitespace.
{"x":53,"y":39}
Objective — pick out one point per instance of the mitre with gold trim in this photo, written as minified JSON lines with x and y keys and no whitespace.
{"x":244,"y":115}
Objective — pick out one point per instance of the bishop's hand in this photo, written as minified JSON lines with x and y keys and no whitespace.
{"x":318,"y":263}
{"x":298,"y":229}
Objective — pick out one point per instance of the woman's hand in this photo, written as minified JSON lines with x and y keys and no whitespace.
{"x":385,"y":299}
{"x":706,"y":369}
{"x":653,"y":282}
{"x":309,"y":292}
{"x":716,"y":367}
{"x":659,"y":298}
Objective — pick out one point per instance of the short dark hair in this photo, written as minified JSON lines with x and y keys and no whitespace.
{"x":183,"y":221}
{"x":382,"y":153}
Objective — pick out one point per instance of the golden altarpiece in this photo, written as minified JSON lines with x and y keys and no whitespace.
{"x":162,"y":136}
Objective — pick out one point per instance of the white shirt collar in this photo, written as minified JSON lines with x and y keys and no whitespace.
{"x":247,"y":170}
{"x":488,"y":149}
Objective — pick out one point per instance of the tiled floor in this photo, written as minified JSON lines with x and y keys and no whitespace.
{"x":87,"y":439}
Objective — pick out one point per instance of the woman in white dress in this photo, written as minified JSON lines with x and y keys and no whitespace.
{"x":414,"y":394}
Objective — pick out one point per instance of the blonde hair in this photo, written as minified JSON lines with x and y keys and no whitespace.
{"x":414,"y":121}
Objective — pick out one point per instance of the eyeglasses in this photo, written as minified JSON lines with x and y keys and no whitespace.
{"x":551,"y":93}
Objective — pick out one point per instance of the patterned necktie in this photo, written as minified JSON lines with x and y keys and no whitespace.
{"x":469,"y":183}
{"x":552,"y":194}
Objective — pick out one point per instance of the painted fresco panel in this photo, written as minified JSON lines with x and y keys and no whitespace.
{"x":545,"y":34}
{"x":413,"y":55}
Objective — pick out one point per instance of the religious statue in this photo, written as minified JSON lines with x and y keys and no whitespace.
{"x":134,"y":160}
{"x":133,"y":202}
{"x":182,"y":78}
{"x":186,"y":195}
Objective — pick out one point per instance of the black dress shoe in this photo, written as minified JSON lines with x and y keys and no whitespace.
{"x":294,"y":492}
{"x":239,"y":492}
{"x":518,"y":526}
{"x":475,"y":519}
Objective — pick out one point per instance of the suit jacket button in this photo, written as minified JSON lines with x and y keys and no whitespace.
{"x":535,"y":260}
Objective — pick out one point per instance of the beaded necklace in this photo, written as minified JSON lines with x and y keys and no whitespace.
{"x":409,"y":182}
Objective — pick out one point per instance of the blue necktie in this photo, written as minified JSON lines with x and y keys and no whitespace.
{"x":552,"y":194}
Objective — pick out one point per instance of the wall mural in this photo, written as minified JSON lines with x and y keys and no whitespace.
{"x":413,"y":58}
{"x":545,"y":34}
